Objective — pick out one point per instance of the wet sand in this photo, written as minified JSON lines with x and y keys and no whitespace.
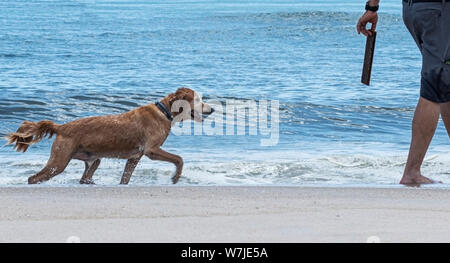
{"x":224,"y":214}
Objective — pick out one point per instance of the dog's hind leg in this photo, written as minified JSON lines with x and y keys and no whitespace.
{"x":89,"y":171}
{"x":59,"y":159}
{"x":129,"y":169}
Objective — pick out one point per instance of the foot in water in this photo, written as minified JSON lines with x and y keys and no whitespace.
{"x":416,"y":179}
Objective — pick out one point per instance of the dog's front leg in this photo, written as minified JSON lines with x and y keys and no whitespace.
{"x":129,"y":169}
{"x":161,"y":155}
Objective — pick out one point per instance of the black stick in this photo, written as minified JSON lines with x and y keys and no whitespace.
{"x":368,"y":58}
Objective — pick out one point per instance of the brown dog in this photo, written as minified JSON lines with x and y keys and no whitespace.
{"x":130,"y":135}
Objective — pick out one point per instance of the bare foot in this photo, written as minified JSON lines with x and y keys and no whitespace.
{"x":415,"y":180}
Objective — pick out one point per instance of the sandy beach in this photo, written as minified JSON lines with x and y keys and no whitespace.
{"x":224,"y":214}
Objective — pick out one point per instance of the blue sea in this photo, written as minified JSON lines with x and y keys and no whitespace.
{"x":63,"y":60}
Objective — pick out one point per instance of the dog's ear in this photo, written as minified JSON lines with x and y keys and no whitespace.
{"x":185,"y":94}
{"x":181,"y":94}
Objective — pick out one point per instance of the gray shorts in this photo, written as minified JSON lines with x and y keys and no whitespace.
{"x":429,"y":25}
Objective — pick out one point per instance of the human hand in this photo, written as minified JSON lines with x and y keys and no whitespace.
{"x":367,"y":17}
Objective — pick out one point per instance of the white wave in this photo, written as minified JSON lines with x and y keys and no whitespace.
{"x":254,"y":168}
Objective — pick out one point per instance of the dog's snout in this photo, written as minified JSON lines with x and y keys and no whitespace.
{"x":211,"y":110}
{"x":207,"y":109}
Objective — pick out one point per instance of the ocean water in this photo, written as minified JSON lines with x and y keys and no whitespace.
{"x":63,"y":60}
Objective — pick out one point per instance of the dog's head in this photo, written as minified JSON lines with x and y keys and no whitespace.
{"x":186,"y":104}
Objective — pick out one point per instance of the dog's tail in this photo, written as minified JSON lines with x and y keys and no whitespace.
{"x":30,"y":133}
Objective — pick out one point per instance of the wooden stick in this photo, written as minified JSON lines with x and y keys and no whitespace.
{"x":368,"y":58}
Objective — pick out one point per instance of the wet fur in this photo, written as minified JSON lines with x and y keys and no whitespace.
{"x":30,"y":133}
{"x":130,"y":135}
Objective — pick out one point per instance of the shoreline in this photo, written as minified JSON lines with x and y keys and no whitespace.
{"x":224,"y":214}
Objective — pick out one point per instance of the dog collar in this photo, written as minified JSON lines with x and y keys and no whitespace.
{"x":164,"y":110}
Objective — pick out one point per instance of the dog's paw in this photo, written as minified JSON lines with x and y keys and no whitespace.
{"x":33,"y":180}
{"x":86,"y":181}
{"x":175,"y":179}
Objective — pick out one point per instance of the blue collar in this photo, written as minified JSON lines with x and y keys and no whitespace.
{"x":164,"y":109}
